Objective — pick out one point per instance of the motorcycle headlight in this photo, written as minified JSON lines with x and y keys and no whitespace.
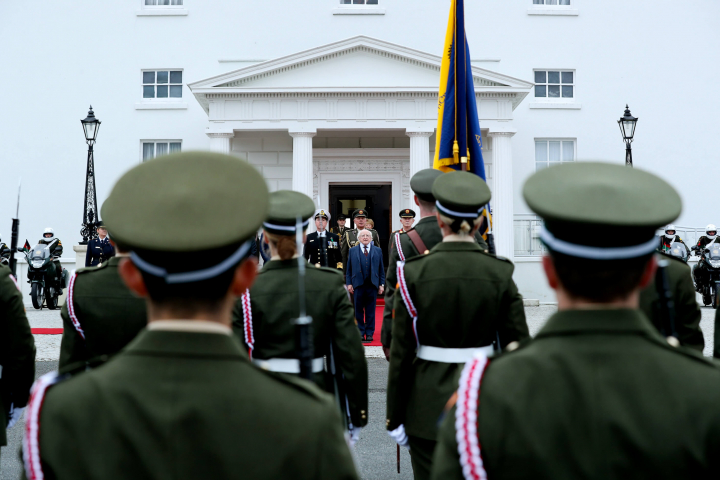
{"x":715,"y":263}
{"x":37,"y":263}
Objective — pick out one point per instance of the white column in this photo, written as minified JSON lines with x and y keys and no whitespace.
{"x":502,"y":195}
{"x":302,"y":180}
{"x":419,"y":150}
{"x":220,"y":142}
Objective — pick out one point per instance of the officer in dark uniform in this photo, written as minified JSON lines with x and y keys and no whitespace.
{"x":598,"y":393}
{"x":407,"y":217}
{"x":426,"y":235}
{"x":101,"y":315}
{"x":452,"y":303}
{"x":262,"y":318}
{"x":183,"y":400}
{"x":322,"y":248}
{"x":99,"y":249}
{"x":17,"y":353}
{"x":341,"y":228}
{"x":350,"y":239}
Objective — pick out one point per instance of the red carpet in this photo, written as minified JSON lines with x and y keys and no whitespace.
{"x":47,"y":331}
{"x":379,"y":308}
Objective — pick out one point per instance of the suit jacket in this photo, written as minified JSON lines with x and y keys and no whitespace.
{"x":104,"y":310}
{"x":356,"y":275}
{"x":98,"y":251}
{"x":349,"y":240}
{"x":183,"y":405}
{"x":323,"y":251}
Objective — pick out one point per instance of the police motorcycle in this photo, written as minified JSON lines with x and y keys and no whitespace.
{"x":678,"y":250}
{"x":4,"y":254}
{"x":45,"y":284}
{"x":707,"y":278}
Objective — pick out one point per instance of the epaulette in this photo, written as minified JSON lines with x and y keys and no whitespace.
{"x":328,"y":270}
{"x":92,"y":269}
{"x":69,"y":371}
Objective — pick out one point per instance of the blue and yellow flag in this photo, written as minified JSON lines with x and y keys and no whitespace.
{"x":459,"y":141}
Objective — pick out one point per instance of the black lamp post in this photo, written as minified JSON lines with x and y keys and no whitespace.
{"x":627,"y":127}
{"x":91,"y":125}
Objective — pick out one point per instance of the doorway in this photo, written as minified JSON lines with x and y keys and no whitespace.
{"x":376,"y":199}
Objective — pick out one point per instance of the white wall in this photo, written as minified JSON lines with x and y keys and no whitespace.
{"x":61,"y":56}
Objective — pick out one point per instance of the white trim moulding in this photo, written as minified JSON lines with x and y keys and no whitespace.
{"x":358,"y":11}
{"x":569,"y":12}
{"x":161,"y":106}
{"x":161,"y":12}
{"x":566,"y":106}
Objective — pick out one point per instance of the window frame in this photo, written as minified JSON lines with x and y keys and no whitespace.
{"x":155,"y":142}
{"x":162,"y":10}
{"x":167,"y":99}
{"x":544,"y":4}
{"x":560,"y":99}
{"x":547,"y":140}
{"x":359,"y":8}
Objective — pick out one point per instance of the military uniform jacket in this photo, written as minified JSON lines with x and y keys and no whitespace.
{"x":666,"y":243}
{"x":463,"y":299}
{"x":182,"y":405}
{"x":431,"y":235}
{"x":98,"y":251}
{"x":100,"y":316}
{"x":17,"y":350}
{"x":323,"y":251}
{"x":350,"y":239}
{"x":274,"y":304}
{"x":339,"y":231}
{"x":687,"y":310}
{"x":597,"y":394}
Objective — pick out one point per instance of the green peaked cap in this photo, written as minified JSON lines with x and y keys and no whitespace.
{"x":576,"y":200}
{"x":186,"y":202}
{"x":460,"y":194}
{"x":422,"y":183}
{"x":285,"y":207}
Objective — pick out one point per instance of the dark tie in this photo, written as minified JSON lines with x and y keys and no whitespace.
{"x":366,"y":251}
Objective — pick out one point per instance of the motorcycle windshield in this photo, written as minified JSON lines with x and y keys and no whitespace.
{"x":677,"y":249}
{"x":40,"y":252}
{"x":714,"y":252}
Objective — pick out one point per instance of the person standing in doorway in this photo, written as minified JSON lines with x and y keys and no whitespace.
{"x":365,"y":279}
{"x":341,"y":228}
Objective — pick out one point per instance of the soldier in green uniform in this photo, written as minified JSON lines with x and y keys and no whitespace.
{"x":427,"y":235}
{"x":262,"y":317}
{"x":450,"y":304}
{"x":598,"y":393}
{"x":100,"y":315}
{"x":687,"y":310}
{"x":407,"y":217}
{"x":183,"y":401}
{"x":341,"y":228}
{"x":17,"y":353}
{"x":350,"y":239}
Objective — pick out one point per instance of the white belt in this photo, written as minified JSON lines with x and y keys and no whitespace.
{"x":288,"y":365}
{"x":451,"y":355}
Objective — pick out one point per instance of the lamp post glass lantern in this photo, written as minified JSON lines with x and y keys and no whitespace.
{"x":90,"y":125}
{"x":627,"y":128}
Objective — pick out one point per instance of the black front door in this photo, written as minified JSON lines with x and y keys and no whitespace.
{"x":376,"y":199}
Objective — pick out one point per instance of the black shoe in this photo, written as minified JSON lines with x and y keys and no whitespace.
{"x":368,"y":338}
{"x":364,"y":339}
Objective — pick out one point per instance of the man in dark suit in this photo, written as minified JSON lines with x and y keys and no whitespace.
{"x":99,"y":250}
{"x":322,"y":248}
{"x":365,"y":279}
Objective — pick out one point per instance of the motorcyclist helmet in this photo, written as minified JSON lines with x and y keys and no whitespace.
{"x":49,"y":231}
{"x":711,"y":231}
{"x":670,"y":231}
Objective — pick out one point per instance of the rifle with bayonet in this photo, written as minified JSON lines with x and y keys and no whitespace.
{"x":666,"y":305}
{"x":303,"y":324}
{"x":12,"y":262}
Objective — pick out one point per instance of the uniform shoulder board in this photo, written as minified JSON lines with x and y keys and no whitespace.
{"x":329,"y":270}
{"x":91,"y":269}
{"x":69,"y":371}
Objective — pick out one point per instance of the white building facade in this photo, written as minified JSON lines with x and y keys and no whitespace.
{"x":322,"y":93}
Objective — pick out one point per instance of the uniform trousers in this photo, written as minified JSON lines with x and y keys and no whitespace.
{"x":421,"y":455}
{"x":365,"y":298}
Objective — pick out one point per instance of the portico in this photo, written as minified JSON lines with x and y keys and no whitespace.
{"x":356,"y":111}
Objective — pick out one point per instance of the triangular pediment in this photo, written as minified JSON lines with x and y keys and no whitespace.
{"x":353,"y":65}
